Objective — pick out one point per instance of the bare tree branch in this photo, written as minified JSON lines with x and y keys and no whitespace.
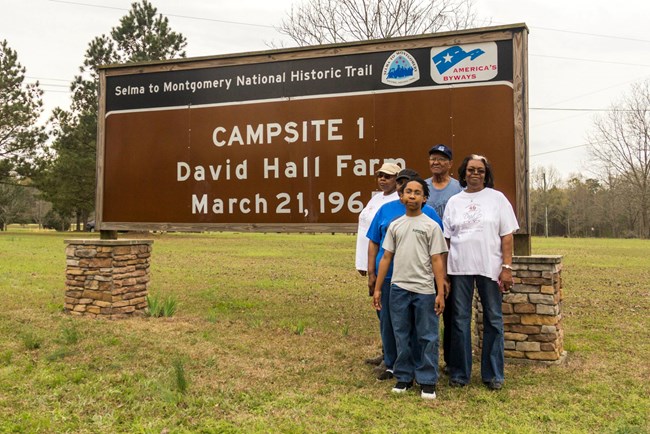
{"x":621,"y":146}
{"x":334,"y":21}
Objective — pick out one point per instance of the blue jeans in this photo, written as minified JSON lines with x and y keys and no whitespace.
{"x":386,"y":327}
{"x":447,"y":316}
{"x":413,"y":316}
{"x":492,"y":357}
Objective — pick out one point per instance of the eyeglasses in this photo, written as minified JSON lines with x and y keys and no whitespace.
{"x":385,"y":175}
{"x":438,"y":159}
{"x":472,"y":171}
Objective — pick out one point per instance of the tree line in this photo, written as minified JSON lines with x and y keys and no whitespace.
{"x":584,"y":206}
{"x":614,"y":199}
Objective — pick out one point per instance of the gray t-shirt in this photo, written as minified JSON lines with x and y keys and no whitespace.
{"x":438,"y":198}
{"x":413,"y":240}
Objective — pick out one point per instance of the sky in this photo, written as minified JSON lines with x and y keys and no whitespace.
{"x":584,"y":55}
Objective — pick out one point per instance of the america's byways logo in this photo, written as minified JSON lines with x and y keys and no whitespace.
{"x":464,"y":63}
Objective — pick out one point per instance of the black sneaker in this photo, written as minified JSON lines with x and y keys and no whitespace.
{"x":385,"y":375}
{"x":493,"y":385}
{"x":402,"y":386}
{"x":428,"y":391}
{"x":455,"y":383}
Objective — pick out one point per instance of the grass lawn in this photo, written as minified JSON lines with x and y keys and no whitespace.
{"x":270,"y":335}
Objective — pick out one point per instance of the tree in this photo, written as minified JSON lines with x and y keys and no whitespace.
{"x":621,"y":145}
{"x":584,"y":218}
{"x":68,"y":180}
{"x":334,"y":21}
{"x":141,"y":36}
{"x":548,"y":207}
{"x":620,"y":219}
{"x":20,"y":108}
{"x":38,"y":208}
{"x":14,"y":204}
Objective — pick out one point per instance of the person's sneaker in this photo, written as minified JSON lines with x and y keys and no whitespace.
{"x":455,"y":383}
{"x":386,"y":375}
{"x":428,"y":391}
{"x":375,"y":360}
{"x":493,"y":385}
{"x":402,"y":386}
{"x":379,"y":368}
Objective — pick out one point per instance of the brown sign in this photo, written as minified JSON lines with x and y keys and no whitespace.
{"x":295,"y":143}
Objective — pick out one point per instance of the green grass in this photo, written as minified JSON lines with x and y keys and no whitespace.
{"x":269,"y":335}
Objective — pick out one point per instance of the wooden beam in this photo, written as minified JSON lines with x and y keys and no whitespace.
{"x":520,"y":94}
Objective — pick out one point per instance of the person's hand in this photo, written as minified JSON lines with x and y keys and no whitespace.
{"x":447,"y":287}
{"x":440,"y":303}
{"x":505,"y":280}
{"x":372,"y":279}
{"x":376,"y":299}
{"x":363,"y":272}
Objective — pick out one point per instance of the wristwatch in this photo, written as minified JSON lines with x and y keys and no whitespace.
{"x":509,"y":267}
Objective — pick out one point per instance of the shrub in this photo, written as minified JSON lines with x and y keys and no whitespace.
{"x":159,"y":307}
{"x":53,"y":220}
{"x":169,"y":307}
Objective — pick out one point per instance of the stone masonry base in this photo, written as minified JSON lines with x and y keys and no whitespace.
{"x":532,"y":312}
{"x":107,"y":278}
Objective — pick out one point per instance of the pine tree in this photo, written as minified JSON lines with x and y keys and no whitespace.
{"x":69,"y":181}
{"x":20,"y":107}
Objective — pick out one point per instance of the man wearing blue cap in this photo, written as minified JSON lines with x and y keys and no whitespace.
{"x":441,"y":187}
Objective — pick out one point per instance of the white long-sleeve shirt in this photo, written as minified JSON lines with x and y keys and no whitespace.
{"x":365,"y":218}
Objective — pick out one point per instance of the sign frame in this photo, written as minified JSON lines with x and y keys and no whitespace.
{"x":517,"y":34}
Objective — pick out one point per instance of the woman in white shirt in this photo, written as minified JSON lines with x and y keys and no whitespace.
{"x":386,"y":181}
{"x":478,"y":224}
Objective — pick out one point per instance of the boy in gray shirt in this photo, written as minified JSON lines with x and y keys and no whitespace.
{"x":416,"y":244}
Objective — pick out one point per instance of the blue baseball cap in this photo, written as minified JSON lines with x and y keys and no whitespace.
{"x":442,"y":149}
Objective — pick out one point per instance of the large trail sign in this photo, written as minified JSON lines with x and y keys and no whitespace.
{"x":290,"y":140}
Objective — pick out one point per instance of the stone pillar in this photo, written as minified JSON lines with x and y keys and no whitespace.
{"x":107,"y":278}
{"x":532,"y":312}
